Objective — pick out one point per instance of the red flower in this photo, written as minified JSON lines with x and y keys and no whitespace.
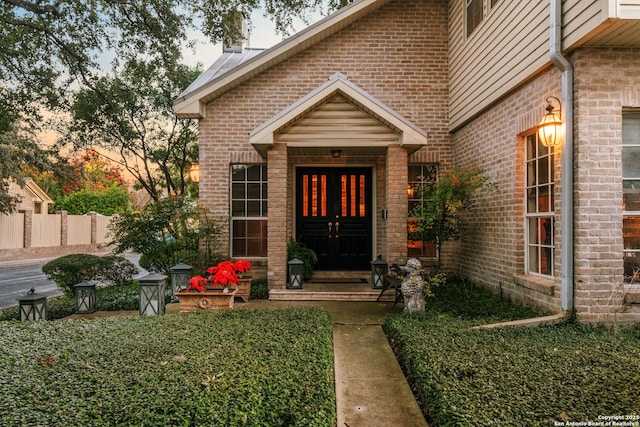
{"x":455,"y":180}
{"x":197,"y":283}
{"x":241,"y":266}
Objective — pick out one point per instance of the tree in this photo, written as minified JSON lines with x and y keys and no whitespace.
{"x":129,"y":115}
{"x":447,"y":200}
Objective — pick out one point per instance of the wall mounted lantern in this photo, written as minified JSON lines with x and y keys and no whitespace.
{"x":296,"y":273}
{"x":194,"y":172}
{"x":151,"y":289}
{"x":33,"y":306}
{"x":86,"y":297}
{"x":550,"y":128}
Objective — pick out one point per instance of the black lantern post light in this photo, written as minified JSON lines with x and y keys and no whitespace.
{"x":33,"y":306}
{"x":296,"y":273}
{"x":378,"y":271}
{"x":86,"y":297}
{"x":180,"y":274}
{"x":151,"y":288}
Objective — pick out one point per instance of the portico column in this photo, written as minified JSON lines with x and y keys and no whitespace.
{"x":277,"y":225}
{"x":397,"y":204}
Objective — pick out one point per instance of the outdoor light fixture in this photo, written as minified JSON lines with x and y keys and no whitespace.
{"x":85,"y":297}
{"x":194,"y":172}
{"x":151,"y":288}
{"x":180,"y":274}
{"x":33,"y":306}
{"x":296,"y":272}
{"x":550,"y":128}
{"x":336,"y":153}
{"x":378,"y":271}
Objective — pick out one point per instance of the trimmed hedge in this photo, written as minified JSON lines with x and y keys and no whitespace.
{"x":531,"y":376}
{"x":231,"y":368}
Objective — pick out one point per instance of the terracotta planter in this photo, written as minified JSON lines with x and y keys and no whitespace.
{"x":214,"y":299}
{"x":244,"y":288}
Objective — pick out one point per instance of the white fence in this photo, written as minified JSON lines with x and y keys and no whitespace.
{"x":28,"y":230}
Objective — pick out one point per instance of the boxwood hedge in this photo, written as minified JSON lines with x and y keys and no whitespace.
{"x":239,"y":367}
{"x":527,"y":376}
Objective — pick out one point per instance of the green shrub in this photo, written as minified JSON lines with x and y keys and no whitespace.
{"x":113,"y":200}
{"x":69,"y":270}
{"x":259,"y":289}
{"x":231,"y":368}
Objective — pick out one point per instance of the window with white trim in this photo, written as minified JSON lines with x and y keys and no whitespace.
{"x":539,"y":229}
{"x":631,"y":194}
{"x":419,"y":175}
{"x":248,"y":211}
{"x":475,"y":13}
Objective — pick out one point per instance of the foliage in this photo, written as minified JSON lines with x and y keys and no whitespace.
{"x":441,"y":217}
{"x":531,"y":376}
{"x":303,"y":253}
{"x":69,"y":270}
{"x":130,"y":113}
{"x":166,"y":232}
{"x":111,"y":201}
{"x":231,"y":368}
{"x":259,"y":289}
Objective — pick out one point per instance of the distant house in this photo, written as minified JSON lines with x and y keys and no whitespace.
{"x":32,"y":197}
{"x":323,"y":137}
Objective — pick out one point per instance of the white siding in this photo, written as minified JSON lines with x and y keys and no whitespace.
{"x":510,"y":46}
{"x":337,"y":123}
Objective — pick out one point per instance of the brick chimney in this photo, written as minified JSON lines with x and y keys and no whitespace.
{"x":242,"y":33}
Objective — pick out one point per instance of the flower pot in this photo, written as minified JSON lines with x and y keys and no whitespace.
{"x":243,"y":288}
{"x":214,"y":299}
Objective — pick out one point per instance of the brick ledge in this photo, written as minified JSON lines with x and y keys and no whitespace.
{"x":537,"y":284}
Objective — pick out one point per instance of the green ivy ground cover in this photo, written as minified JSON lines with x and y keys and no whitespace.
{"x":244,"y":367}
{"x":536,"y":376}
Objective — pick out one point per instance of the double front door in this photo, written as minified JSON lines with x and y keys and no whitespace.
{"x":334,"y":216}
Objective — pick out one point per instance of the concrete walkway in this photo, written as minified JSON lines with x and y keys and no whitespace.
{"x":371,"y":389}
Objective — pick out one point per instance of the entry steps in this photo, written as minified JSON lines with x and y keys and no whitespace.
{"x":334,"y":286}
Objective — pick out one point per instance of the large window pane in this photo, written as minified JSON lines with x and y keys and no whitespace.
{"x":631,"y":195}
{"x":540,"y":205}
{"x":419,"y":175}
{"x":249,"y":210}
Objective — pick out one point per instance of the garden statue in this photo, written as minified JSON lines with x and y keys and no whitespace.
{"x":413,"y":286}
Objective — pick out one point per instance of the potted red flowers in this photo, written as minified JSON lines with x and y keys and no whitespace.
{"x":226,"y":275}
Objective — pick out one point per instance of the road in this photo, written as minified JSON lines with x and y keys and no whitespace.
{"x":17,"y":278}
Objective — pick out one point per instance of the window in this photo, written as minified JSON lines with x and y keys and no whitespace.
{"x":539,"y":201}
{"x":631,"y":194}
{"x":418,"y":176}
{"x":475,"y":13}
{"x":249,"y":210}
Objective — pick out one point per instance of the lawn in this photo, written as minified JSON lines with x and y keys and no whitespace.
{"x":526,"y":376}
{"x":244,"y":367}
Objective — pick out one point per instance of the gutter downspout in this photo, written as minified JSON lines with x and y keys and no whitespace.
{"x":566,"y":238}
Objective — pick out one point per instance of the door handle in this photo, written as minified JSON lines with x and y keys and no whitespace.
{"x":330,"y":225}
{"x":337,"y":229}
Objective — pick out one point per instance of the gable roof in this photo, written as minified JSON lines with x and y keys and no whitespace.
{"x":219,"y":79}
{"x":410,"y":135}
{"x":38,"y":193}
